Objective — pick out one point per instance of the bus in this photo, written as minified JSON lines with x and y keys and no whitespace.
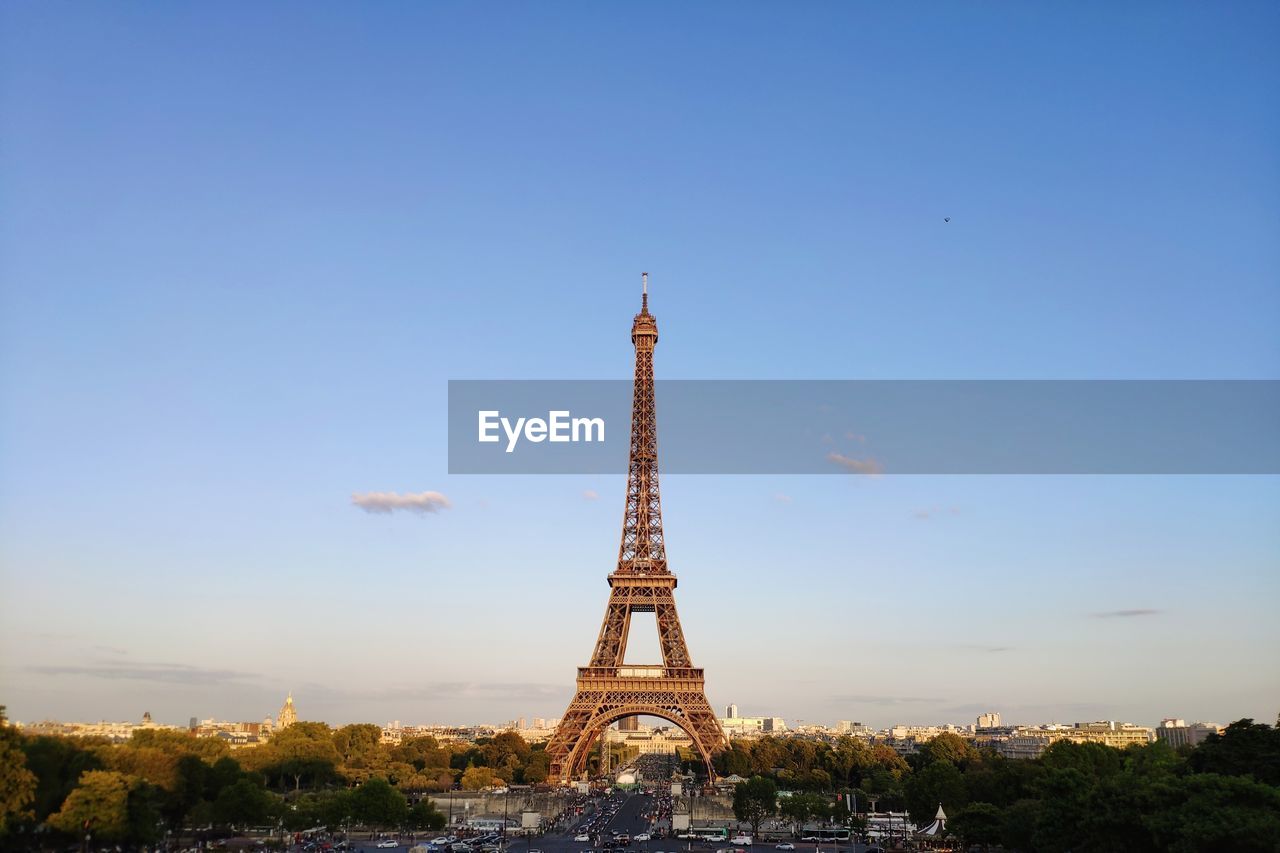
{"x":823,"y":836}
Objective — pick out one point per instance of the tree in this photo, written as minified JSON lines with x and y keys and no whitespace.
{"x":1244,"y":748}
{"x":978,"y":823}
{"x":244,"y":803}
{"x":58,"y":763}
{"x":754,"y":800}
{"x":143,"y":812}
{"x":301,"y":751}
{"x":377,"y":804}
{"x":99,"y":804}
{"x":939,"y":782}
{"x":424,"y":815}
{"x":1220,"y":813}
{"x":799,"y":808}
{"x":360,"y":747}
{"x":17,"y":782}
{"x":538,"y":768}
{"x":1094,"y":760}
{"x":421,"y":752}
{"x":949,"y":747}
{"x":477,"y":778}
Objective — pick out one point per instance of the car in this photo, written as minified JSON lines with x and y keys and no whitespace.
{"x":744,"y":840}
{"x":786,"y":845}
{"x":582,"y":837}
{"x":388,"y":843}
{"x":644,"y":836}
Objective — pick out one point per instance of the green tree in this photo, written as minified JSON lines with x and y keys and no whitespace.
{"x":478,"y":778}
{"x":1063,"y":808}
{"x":1018,"y":831}
{"x":99,"y":804}
{"x":58,"y":763}
{"x":377,"y":804}
{"x":1094,"y":760}
{"x":736,"y":760}
{"x":424,"y":815}
{"x":1220,"y":813}
{"x":1244,"y":748}
{"x":949,"y":747}
{"x":800,"y":808}
{"x":978,"y":823}
{"x":143,"y":810}
{"x":360,"y":747}
{"x":17,"y":782}
{"x":754,"y":800}
{"x":301,"y":751}
{"x":421,"y":752}
{"x":537,"y":768}
{"x":244,"y":803}
{"x":940,"y":782}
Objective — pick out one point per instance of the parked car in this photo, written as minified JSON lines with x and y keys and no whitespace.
{"x":644,"y":836}
{"x":744,"y":840}
{"x":582,"y":837}
{"x":786,"y":845}
{"x":388,"y":843}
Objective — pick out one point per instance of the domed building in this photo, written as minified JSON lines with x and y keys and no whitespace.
{"x":288,"y":714}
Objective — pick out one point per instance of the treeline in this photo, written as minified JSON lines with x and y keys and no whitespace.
{"x":1222,"y":795}
{"x":54,"y":790}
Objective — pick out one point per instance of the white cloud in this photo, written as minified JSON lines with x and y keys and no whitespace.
{"x":781,"y":498}
{"x":419,"y":502}
{"x":590,"y":494}
{"x":867,"y":466}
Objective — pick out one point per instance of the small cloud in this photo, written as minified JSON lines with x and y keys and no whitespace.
{"x":932,"y":511}
{"x":867,"y":466}
{"x":865,"y":699}
{"x":385,"y":502}
{"x":590,"y":495}
{"x":854,"y":436}
{"x":156,"y":673}
{"x":1125,"y":614}
{"x":781,"y":498}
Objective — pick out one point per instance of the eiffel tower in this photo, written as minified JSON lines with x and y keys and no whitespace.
{"x":608,"y":689}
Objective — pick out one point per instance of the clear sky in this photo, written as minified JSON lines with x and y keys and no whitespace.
{"x":244,"y":246}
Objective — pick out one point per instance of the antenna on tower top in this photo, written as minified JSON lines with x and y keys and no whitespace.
{"x":644,"y":291}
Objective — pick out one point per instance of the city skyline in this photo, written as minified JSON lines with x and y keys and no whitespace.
{"x":229,"y":311}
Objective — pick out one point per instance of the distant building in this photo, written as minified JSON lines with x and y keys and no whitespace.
{"x":989,"y":720}
{"x":1031,"y":742}
{"x":736,"y":726}
{"x":732,"y":712}
{"x":629,"y":724}
{"x":288,"y":714}
{"x":1177,"y":733}
{"x":646,"y":740}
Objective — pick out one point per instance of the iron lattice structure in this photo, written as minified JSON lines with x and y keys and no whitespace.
{"x":608,"y":689}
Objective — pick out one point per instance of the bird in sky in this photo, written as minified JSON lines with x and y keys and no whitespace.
{"x":946,"y":219}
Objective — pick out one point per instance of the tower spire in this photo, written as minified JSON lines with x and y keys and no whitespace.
{"x":642,"y":550}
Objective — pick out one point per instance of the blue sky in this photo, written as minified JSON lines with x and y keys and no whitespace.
{"x":243,"y":248}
